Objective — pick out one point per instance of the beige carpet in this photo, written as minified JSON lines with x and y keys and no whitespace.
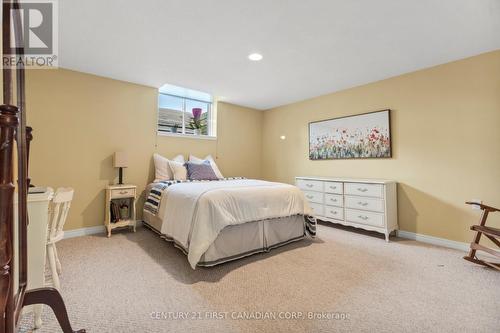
{"x":139,"y":283}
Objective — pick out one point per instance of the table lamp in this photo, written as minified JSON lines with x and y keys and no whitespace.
{"x":120,"y":161}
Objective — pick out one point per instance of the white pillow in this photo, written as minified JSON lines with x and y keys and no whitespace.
{"x":162,"y":169}
{"x":178,"y":169}
{"x":209,"y":158}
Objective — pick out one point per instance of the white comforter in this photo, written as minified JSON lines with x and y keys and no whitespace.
{"x":195,"y":213}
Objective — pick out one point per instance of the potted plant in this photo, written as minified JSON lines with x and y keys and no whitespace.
{"x":198,"y":124}
{"x":175,"y":127}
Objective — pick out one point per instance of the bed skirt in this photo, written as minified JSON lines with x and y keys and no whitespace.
{"x":238,"y":241}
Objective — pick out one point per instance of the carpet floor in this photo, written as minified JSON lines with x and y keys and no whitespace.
{"x":343,"y":281}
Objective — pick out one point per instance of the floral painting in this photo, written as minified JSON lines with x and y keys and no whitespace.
{"x":361,"y":136}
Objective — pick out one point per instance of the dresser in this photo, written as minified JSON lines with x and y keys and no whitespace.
{"x":369,"y":204}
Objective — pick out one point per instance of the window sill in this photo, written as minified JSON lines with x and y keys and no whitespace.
{"x":187,"y":136}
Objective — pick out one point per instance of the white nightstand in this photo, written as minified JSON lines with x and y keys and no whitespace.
{"x":120,"y":195}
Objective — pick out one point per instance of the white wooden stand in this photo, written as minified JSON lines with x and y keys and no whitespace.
{"x":117,"y":192}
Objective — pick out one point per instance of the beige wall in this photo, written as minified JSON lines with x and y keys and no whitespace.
{"x":445,"y":134}
{"x":79,"y":120}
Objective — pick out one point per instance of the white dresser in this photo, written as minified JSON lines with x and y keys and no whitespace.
{"x":370,"y":204}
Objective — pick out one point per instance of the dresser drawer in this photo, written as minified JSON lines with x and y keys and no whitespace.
{"x":334,"y":200}
{"x":123,"y":193}
{"x":310,"y":185}
{"x":367,"y":190}
{"x":316,"y":197}
{"x":334,"y":187}
{"x":334,"y":212}
{"x":316,"y":208}
{"x":364,"y":217}
{"x":372,"y":204}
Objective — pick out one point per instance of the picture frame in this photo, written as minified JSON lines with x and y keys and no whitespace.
{"x":360,"y":136}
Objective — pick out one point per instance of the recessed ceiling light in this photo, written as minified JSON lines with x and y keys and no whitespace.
{"x":255,"y":57}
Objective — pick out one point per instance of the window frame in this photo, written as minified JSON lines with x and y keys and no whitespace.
{"x":211,"y":118}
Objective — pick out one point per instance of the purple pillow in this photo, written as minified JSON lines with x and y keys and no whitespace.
{"x":200,"y":171}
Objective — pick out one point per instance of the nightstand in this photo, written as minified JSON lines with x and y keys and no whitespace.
{"x":120,"y":207}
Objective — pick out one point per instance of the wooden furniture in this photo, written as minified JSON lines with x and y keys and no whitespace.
{"x":38,"y":207}
{"x":120,"y":194}
{"x":491,"y":233}
{"x":15,"y":134}
{"x":58,"y":212}
{"x":362,"y":203}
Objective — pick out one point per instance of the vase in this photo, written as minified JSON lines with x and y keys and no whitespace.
{"x":197,"y":131}
{"x":124,"y":212}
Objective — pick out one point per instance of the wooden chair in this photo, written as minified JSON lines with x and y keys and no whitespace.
{"x":491,"y":233}
{"x":58,"y":212}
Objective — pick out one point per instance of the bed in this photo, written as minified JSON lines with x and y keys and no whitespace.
{"x":217,"y":221}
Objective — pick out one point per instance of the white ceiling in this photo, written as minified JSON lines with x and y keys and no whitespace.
{"x":310,"y":47}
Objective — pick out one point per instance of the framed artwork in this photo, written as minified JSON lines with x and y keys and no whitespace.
{"x":366,"y":135}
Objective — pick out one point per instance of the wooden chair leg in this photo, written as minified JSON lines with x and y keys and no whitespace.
{"x":490,"y":233}
{"x":53,"y":267}
{"x":477,"y":237}
{"x":52,"y":298}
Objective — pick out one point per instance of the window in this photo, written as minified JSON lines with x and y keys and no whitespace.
{"x":185,"y":112}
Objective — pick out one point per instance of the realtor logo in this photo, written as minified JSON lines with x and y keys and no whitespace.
{"x":39,"y":31}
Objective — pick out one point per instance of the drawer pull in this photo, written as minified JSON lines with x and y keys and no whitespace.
{"x":309,"y":196}
{"x":363,"y":203}
{"x":333,"y":212}
{"x":309,"y":185}
{"x":362,"y":189}
{"x":333,"y":187}
{"x":333,"y":200}
{"x":363,"y":217}
{"x":123,"y":192}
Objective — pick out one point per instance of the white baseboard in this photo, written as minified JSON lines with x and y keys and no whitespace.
{"x":465,"y":247}
{"x":100,"y":229}
{"x":434,"y":240}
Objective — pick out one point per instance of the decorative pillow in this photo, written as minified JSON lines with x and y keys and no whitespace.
{"x":162,"y":168}
{"x":178,"y":170}
{"x":210,"y":159}
{"x":200,"y":171}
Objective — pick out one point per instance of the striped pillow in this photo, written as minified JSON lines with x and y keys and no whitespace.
{"x":200,"y":171}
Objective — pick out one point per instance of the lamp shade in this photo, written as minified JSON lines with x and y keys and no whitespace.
{"x":120,"y":159}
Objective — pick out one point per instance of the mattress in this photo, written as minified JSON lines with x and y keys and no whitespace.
{"x":238,"y":241}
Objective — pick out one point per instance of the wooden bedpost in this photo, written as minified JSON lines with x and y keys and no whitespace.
{"x":8,"y":125}
{"x":29,"y":138}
